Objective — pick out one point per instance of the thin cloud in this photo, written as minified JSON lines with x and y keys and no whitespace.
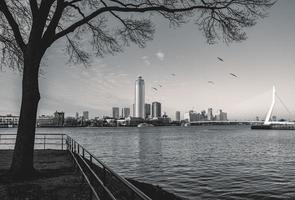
{"x":146,"y":60}
{"x":160,"y":55}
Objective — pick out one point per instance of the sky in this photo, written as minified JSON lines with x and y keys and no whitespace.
{"x":265,"y":59}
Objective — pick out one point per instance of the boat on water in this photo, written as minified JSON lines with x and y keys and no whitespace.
{"x":275,"y":125}
{"x":142,"y":125}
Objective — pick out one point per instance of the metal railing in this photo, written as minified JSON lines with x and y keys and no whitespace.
{"x":42,"y":141}
{"x":109,"y":180}
{"x":104,"y":182}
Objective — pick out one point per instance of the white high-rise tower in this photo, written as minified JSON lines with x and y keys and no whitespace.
{"x":139,"y":98}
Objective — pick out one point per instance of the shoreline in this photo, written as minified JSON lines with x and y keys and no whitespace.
{"x":59,"y":179}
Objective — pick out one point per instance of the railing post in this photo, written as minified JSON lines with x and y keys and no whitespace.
{"x":62,"y":142}
{"x":78,"y":148}
{"x":104,"y":175}
{"x":44,"y":141}
{"x":83,"y":152}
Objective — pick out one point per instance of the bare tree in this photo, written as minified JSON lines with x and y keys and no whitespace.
{"x":29,"y":27}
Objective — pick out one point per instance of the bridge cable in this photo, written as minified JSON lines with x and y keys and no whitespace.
{"x":284,"y":104}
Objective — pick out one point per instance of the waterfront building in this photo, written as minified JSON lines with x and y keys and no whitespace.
{"x":71,"y":121}
{"x":156,"y":109}
{"x":210,"y":114}
{"x":147,"y":108}
{"x":274,"y":118}
{"x":59,"y":118}
{"x":193,"y":116}
{"x":77,"y":115}
{"x":139,"y":98}
{"x":133,"y":121}
{"x":222,"y":116}
{"x":125,"y":112}
{"x":116,"y":112}
{"x":9,"y":120}
{"x":177,"y":116}
{"x":45,"y":121}
{"x":85,"y":115}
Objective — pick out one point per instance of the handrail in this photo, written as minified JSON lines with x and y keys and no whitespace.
{"x":42,"y":140}
{"x":75,"y":147}
{"x":97,"y":178}
{"x":85,"y":176}
{"x":127,"y":183}
{"x":64,"y":140}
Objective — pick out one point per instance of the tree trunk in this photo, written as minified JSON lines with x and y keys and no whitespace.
{"x":22,"y":162}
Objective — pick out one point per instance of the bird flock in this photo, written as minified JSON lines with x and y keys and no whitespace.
{"x":155,"y":89}
{"x":232,"y":74}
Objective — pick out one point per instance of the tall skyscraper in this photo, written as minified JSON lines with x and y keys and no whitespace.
{"x":125,"y":112}
{"x":147,"y":108}
{"x":86,"y":115}
{"x":210,"y":114}
{"x":156,"y":109}
{"x":139,"y":98}
{"x":177,"y":116}
{"x":116,"y":112}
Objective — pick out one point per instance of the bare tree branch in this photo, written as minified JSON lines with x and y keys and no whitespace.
{"x":13,"y":24}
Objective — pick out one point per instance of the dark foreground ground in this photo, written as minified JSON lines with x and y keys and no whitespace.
{"x":58,"y":179}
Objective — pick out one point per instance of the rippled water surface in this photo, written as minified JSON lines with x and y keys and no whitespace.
{"x":207,"y":162}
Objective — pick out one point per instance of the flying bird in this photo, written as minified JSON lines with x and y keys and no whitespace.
{"x":155,"y":89}
{"x":233,"y":75}
{"x":220,"y":59}
{"x":211,"y":82}
{"x":173,"y":74}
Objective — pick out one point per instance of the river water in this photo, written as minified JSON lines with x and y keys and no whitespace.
{"x":205,"y":162}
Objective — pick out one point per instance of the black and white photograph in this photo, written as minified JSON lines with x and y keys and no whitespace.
{"x":147,"y":99}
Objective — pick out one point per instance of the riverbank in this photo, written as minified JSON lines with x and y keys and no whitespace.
{"x":58,"y":179}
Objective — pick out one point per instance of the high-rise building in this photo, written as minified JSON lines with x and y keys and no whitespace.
{"x":59,"y":118}
{"x":156,"y":109}
{"x":210,"y":114}
{"x":139,"y":98}
{"x":222,"y":116}
{"x":85,"y":115}
{"x":125,"y":112}
{"x":177,"y":116}
{"x":116,"y":112}
{"x":147,"y":108}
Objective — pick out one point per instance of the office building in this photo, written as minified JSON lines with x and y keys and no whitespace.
{"x":86,"y":115}
{"x":147,"y":108}
{"x":125,"y":112}
{"x":116,"y":112}
{"x":59,"y":118}
{"x":156,"y":109}
{"x":222,"y":116}
{"x":210,"y":114}
{"x":139,"y":98}
{"x":177,"y":116}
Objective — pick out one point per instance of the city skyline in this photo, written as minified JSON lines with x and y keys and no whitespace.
{"x":109,"y":81}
